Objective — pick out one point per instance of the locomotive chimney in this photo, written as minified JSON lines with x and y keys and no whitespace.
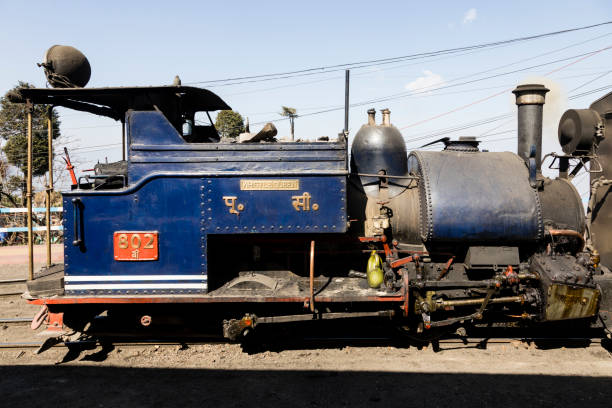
{"x":371,"y":117}
{"x":530,"y":100}
{"x":386,"y":117}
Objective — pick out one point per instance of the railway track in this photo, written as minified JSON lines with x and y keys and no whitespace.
{"x":12,"y":287}
{"x":443,"y":344}
{"x":11,"y":281}
{"x":370,"y":334}
{"x":320,"y":342}
{"x":15,"y":320}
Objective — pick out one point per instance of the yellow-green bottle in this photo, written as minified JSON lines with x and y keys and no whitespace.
{"x":374,"y":271}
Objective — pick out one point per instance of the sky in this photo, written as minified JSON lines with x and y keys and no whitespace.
{"x":462,"y":94}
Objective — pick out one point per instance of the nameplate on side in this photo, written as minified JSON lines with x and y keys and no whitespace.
{"x":269,"y":184}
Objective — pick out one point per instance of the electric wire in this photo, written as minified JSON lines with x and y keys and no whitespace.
{"x":363,"y":74}
{"x":433,"y":94}
{"x":427,"y":91}
{"x":580,"y":57}
{"x":586,"y":55}
{"x":459,"y":108}
{"x":374,"y":62}
{"x":592,"y":80}
{"x":498,"y":117}
{"x":592,"y":91}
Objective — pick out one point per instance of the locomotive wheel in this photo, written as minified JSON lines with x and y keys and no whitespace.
{"x":79,"y":320}
{"x":410,"y":331}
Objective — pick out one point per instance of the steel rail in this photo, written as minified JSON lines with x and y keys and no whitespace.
{"x":154,"y":343}
{"x":35,"y":344}
{"x":11,"y":281}
{"x":15,"y":319}
{"x":119,"y":340}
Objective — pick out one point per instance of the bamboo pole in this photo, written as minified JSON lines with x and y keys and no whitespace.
{"x":29,"y":194}
{"x":50,"y":183}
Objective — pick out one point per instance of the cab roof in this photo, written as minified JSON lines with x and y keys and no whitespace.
{"x":114,"y":102}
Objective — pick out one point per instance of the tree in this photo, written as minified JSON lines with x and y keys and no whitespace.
{"x":7,"y":185}
{"x":291,"y":113}
{"x":14,"y":127}
{"x":229,"y":124}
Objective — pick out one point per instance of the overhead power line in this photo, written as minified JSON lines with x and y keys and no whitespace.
{"x":585,"y":56}
{"x":428,"y":90}
{"x":381,"y":61}
{"x":291,"y":85}
{"x":592,"y":91}
{"x":488,"y":133}
{"x":592,"y":80}
{"x":448,"y":130}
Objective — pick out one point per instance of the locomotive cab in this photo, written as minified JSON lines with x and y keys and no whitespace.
{"x":142,"y":226}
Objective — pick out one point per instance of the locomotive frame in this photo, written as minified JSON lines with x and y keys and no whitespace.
{"x":274,"y":232}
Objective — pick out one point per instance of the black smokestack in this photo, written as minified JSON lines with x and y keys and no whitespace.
{"x":530,"y":100}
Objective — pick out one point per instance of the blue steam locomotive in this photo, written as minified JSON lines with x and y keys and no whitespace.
{"x":262,"y":231}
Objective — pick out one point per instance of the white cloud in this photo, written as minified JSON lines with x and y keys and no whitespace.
{"x":470,"y":16}
{"x":426,"y":82}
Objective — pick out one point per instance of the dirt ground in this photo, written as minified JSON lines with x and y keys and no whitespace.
{"x":14,"y":259}
{"x":224,"y":375}
{"x":13,"y":265}
{"x":341,"y":373}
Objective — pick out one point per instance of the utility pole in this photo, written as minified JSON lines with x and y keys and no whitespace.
{"x":290,"y":113}
{"x":347,"y":74}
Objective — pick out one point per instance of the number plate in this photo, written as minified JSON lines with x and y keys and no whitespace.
{"x":136,"y":245}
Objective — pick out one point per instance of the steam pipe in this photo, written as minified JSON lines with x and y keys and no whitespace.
{"x":530,"y":100}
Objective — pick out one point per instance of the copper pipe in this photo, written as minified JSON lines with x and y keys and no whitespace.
{"x":567,"y":233}
{"x":29,"y":194}
{"x":50,"y":183}
{"x":312,"y":249}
